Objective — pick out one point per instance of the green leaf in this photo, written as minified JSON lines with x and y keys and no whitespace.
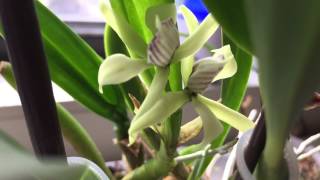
{"x":71,"y":129}
{"x":160,"y":111}
{"x":192,"y":24}
{"x":79,"y":138}
{"x":158,"y":12}
{"x":64,"y":75}
{"x":119,"y":68}
{"x":117,"y":21}
{"x":232,"y":17}
{"x":76,"y":53}
{"x":134,"y":11}
{"x":21,"y":165}
{"x":286,"y":39}
{"x":227,"y":115}
{"x":74,"y":66}
{"x":197,"y":39}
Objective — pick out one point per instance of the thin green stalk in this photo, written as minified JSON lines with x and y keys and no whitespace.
{"x":268,"y":165}
{"x":72,"y":130}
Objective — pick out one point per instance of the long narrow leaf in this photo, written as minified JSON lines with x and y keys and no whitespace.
{"x":73,"y":65}
{"x":288,"y":67}
{"x":71,"y":129}
{"x":21,"y":164}
{"x":231,"y":16}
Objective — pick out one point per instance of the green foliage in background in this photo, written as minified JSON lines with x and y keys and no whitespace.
{"x":284,"y":35}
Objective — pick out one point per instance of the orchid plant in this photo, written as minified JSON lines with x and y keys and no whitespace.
{"x":164,"y":50}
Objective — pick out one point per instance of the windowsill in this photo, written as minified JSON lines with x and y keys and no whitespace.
{"x":9,"y":97}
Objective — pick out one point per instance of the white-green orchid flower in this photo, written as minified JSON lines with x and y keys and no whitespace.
{"x":161,"y":52}
{"x":205,"y":71}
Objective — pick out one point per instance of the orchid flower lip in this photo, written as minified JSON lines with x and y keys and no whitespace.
{"x":164,"y":43}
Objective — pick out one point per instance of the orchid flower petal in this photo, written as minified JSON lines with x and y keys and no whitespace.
{"x":229,"y":116}
{"x":164,"y":43}
{"x":186,"y":69}
{"x":131,"y":39}
{"x":211,"y":126}
{"x":189,"y":18}
{"x":197,"y":39}
{"x":187,"y":63}
{"x":119,"y":68}
{"x":230,"y":68}
{"x":160,"y":111}
{"x":160,"y":12}
{"x":155,"y":91}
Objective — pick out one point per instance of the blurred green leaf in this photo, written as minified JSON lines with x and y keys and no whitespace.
{"x":20,"y":164}
{"x":76,"y":53}
{"x":71,"y":129}
{"x":80,"y":139}
{"x":231,"y":16}
{"x":73,"y":65}
{"x":286,"y":39}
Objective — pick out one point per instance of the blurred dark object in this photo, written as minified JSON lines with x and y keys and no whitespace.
{"x":30,"y":69}
{"x":309,"y":123}
{"x":314,"y":103}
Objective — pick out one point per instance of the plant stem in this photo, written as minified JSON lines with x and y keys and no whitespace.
{"x":210,"y":152}
{"x":121,"y":129}
{"x":274,"y":171}
{"x":272,"y":164}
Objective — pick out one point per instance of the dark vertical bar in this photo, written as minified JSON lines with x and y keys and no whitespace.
{"x":30,"y":68}
{"x":255,"y":146}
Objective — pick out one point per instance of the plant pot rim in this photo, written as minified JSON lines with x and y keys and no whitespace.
{"x":244,"y":172}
